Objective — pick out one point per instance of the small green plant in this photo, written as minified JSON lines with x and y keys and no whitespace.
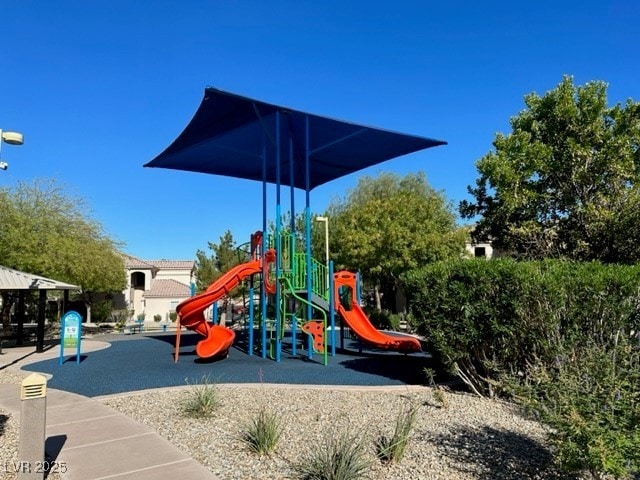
{"x":202,"y":399}
{"x":119,"y":318}
{"x":340,"y":456}
{"x":157,"y":318}
{"x":264,"y":432}
{"x":101,"y":311}
{"x":173,"y":316}
{"x":440,"y":397}
{"x":384,"y":320}
{"x":438,"y":392}
{"x":391,"y":449}
{"x":141,"y":317}
{"x":430,"y":373}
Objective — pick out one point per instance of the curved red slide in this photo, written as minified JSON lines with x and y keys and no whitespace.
{"x":217,"y":339}
{"x":362,"y":326}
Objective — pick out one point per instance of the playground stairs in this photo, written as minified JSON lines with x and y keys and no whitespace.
{"x":315,"y":299}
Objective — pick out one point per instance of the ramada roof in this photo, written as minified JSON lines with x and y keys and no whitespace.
{"x":11,"y":279}
{"x":168,"y":289}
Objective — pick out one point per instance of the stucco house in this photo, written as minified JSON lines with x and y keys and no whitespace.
{"x":156,"y":287}
{"x":480,"y":250}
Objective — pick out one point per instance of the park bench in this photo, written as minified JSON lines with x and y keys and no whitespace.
{"x":132,"y":328}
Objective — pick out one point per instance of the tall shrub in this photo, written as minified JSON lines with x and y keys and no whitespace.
{"x":591,"y":401}
{"x":562,"y":337}
{"x":489,"y":319}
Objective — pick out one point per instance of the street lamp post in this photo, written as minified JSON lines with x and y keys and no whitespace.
{"x":326,"y":244}
{"x":325,"y":220}
{"x":12,"y":138}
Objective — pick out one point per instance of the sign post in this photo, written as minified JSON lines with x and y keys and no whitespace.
{"x":71,"y":334}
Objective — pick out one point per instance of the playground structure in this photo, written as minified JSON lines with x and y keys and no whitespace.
{"x":245,"y":138}
{"x":218,"y":338}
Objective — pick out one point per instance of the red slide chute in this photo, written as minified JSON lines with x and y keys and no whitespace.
{"x":362,"y":327}
{"x":218,"y":339}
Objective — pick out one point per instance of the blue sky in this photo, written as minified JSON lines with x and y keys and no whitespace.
{"x":99,"y":88}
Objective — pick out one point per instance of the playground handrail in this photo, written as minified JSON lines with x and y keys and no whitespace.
{"x":297,"y":271}
{"x":306,"y":302}
{"x":319,"y":275}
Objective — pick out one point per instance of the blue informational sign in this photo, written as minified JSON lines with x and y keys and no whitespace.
{"x":70,"y":334}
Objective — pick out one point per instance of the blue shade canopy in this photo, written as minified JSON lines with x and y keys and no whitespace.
{"x":229,"y":135}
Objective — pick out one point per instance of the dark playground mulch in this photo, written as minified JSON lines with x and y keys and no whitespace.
{"x":141,"y":362}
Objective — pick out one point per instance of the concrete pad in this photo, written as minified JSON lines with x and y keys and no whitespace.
{"x":61,"y":414}
{"x":118,"y":457}
{"x":96,"y":430}
{"x":187,"y":469}
{"x":8,"y":392}
{"x":60,"y":397}
{"x":10,"y":398}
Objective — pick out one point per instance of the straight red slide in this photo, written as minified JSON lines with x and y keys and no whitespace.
{"x":362,"y":326}
{"x":218,"y":339}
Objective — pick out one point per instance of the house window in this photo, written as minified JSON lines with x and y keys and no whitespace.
{"x":137,"y":280}
{"x":480,"y":252}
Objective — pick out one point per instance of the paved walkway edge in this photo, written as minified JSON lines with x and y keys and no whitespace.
{"x":90,"y":441}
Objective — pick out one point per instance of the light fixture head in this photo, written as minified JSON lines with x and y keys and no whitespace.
{"x":4,"y":165}
{"x":13,"y":138}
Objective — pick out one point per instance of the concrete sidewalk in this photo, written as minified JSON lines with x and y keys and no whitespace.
{"x":92,"y":440}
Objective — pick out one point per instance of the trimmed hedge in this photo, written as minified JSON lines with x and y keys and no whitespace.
{"x":562,"y":338}
{"x":488,"y":319}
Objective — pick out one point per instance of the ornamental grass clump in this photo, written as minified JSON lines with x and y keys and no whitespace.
{"x":202,"y":399}
{"x":263,"y":433}
{"x":339,"y":456}
{"x":391,"y":449}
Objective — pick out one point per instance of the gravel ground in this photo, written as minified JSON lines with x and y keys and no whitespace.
{"x":462,"y":437}
{"x":456,"y":436}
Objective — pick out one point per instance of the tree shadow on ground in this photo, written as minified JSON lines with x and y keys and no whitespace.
{"x":491,"y":454}
{"x":412,"y":369}
{"x":3,"y":422}
{"x":406,"y":369}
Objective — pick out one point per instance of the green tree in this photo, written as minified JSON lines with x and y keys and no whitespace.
{"x":564,"y":182}
{"x":223,"y":257}
{"x":389,"y":225}
{"x":46,"y":231}
{"x":317,"y":233}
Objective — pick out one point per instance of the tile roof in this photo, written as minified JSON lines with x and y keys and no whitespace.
{"x":11,"y":279}
{"x":135,"y":263}
{"x":132,"y":262}
{"x":168,"y":289}
{"x":172,"y":264}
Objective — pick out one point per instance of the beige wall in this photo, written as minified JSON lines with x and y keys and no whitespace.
{"x":159,"y":306}
{"x":154,"y":306}
{"x":182,"y":276}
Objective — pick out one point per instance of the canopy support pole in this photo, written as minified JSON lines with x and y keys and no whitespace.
{"x":307,"y":217}
{"x":292,"y":249}
{"x":278,"y":239}
{"x":263,"y":293}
